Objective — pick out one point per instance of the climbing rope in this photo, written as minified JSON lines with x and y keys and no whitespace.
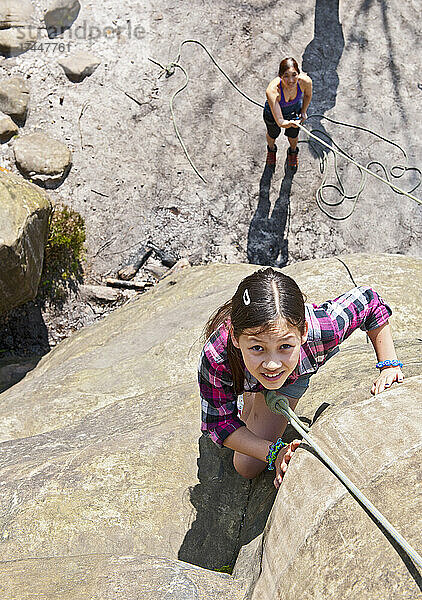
{"x":169,"y":70}
{"x":402,"y":169}
{"x":280,"y":405}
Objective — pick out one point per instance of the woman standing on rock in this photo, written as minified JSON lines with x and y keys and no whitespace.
{"x":267,"y":339}
{"x":288,"y":98}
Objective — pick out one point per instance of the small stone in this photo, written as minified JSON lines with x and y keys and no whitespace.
{"x":14,"y":97}
{"x":79,"y":65}
{"x":7,"y":127}
{"x":41,"y":158}
{"x":18,"y":30}
{"x":60,"y":15}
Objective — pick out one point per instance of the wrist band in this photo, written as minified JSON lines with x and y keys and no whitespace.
{"x":388,"y":363}
{"x":273,"y":451}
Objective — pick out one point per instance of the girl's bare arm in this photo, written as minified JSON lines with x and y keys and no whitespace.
{"x":383,"y":344}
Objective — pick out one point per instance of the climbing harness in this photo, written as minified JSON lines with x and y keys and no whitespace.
{"x":169,"y":70}
{"x":280,"y":405}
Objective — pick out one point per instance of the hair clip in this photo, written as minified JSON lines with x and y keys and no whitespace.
{"x":246,"y":297}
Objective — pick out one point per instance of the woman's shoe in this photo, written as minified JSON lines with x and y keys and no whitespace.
{"x":292,"y":161}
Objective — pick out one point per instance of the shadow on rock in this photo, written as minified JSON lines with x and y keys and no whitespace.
{"x":47,"y":182}
{"x":230,"y":510}
{"x":267,"y":236}
{"x":320,"y":61}
{"x":23,"y":341}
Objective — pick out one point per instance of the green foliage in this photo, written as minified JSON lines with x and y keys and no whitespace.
{"x":64,"y":253}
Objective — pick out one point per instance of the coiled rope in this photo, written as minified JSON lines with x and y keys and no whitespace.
{"x":169,"y":70}
{"x":280,"y":405}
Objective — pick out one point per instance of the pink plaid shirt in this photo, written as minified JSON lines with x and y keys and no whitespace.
{"x":329,"y":324}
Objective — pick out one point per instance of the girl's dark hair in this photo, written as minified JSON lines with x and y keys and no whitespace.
{"x":259,"y":301}
{"x":285,"y":64}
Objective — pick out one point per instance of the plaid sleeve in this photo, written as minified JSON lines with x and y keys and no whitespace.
{"x":218,"y":399}
{"x":360,"y":307}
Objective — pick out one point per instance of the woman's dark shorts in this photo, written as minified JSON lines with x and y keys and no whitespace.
{"x":289,"y":112}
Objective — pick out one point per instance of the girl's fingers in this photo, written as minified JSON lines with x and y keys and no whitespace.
{"x":386,"y":379}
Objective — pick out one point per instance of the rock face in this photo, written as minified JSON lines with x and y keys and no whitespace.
{"x":100,"y":453}
{"x":60,"y":15}
{"x":14,"y":97}
{"x":334,"y":549}
{"x":43,"y":159}
{"x":80,"y":65}
{"x":24,"y":213}
{"x":17,"y":26}
{"x":97,"y":577}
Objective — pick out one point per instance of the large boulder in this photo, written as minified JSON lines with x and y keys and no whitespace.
{"x":319,"y":543}
{"x":18,"y":28}
{"x":24,"y":214}
{"x":132,"y":352}
{"x":100,"y":452}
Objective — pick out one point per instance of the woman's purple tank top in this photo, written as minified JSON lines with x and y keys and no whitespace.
{"x":298,"y":97}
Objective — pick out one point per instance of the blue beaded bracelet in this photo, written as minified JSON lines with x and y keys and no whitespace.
{"x":389,"y":363}
{"x":273,"y":451}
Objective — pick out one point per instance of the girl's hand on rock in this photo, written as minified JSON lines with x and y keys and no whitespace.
{"x":282,"y":461}
{"x":386,"y":378}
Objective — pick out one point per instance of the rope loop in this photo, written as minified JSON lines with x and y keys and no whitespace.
{"x":315,"y":142}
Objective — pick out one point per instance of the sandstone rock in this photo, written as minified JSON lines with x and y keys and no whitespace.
{"x":41,"y":158}
{"x":334,"y":549}
{"x":14,"y":97}
{"x":157,"y":322}
{"x":80,"y":65}
{"x":17,"y":26}
{"x":24,"y":213}
{"x":97,"y":577}
{"x":7,"y":127}
{"x":108,"y":455}
{"x":60,"y":15}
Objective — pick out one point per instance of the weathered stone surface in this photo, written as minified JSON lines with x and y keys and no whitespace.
{"x":106,"y":485}
{"x":14,"y":97}
{"x":113,"y":469}
{"x":80,"y":65}
{"x":42,"y":158}
{"x":24,"y":213}
{"x":60,"y":15}
{"x":7,"y":127}
{"x":140,"y":338}
{"x":102,"y":577}
{"x":17,"y":26}
{"x":318,"y":542}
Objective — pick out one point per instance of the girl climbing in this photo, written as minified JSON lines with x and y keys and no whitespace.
{"x":266,"y":338}
{"x":288,"y":98}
